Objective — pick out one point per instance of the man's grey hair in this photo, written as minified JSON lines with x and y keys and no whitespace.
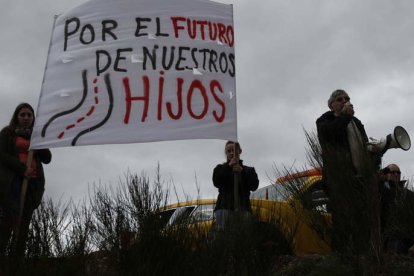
{"x":334,"y":95}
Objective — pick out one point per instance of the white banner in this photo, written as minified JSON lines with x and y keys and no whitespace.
{"x":128,"y":71}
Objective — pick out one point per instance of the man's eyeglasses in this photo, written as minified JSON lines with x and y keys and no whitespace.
{"x":343,"y":99}
{"x":394,"y":172}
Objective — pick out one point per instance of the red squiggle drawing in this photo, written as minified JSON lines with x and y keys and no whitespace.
{"x":85,"y":83}
{"x":88,"y":114}
{"x":91,"y":110}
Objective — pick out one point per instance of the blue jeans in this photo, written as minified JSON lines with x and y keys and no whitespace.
{"x":224,"y":217}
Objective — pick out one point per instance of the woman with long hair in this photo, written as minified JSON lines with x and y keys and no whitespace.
{"x":14,"y":168}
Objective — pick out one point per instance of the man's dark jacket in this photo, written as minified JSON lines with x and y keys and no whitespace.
{"x":223,"y":179}
{"x":332,"y":130}
{"x":333,"y":136}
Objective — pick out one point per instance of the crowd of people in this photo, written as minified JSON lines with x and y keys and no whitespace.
{"x":356,"y":185}
{"x":351,"y":175}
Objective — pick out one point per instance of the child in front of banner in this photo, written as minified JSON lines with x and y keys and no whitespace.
{"x":14,"y":169}
{"x":225,"y":177}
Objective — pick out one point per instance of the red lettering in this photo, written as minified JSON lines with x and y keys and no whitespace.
{"x":160,"y":96}
{"x":230,"y":32}
{"x":216,"y":84}
{"x":202,"y":26}
{"x":176,"y":27}
{"x":222,"y":32}
{"x":197,"y":84}
{"x":197,"y":100}
{"x":212,"y":29}
{"x":198,"y":28}
{"x":179,"y":101}
{"x":192,"y":33}
{"x":129,"y":98}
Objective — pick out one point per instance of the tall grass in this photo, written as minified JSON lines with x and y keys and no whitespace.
{"x":120,"y":231}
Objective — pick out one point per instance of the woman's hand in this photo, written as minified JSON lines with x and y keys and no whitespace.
{"x":29,"y":173}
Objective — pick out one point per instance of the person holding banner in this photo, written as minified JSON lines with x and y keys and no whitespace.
{"x":228,"y":176}
{"x":19,"y":166}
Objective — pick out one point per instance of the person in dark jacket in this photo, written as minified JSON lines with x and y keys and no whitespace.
{"x":14,"y":168}
{"x":224,"y":179}
{"x":341,"y":132}
{"x":347,"y":169}
{"x":397,"y":211}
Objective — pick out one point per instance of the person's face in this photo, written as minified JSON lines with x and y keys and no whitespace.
{"x":229,"y":150}
{"x":394,"y":174}
{"x":25,"y":117}
{"x":339,"y":102}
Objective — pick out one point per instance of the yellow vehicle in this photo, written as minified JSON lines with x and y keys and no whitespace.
{"x":296,"y":203}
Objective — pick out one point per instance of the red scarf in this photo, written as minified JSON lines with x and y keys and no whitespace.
{"x":22,"y":146}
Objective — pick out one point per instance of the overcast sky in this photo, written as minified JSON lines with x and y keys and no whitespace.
{"x":290,"y":55}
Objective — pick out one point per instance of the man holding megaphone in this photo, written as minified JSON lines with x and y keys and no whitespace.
{"x":347,"y":168}
{"x":340,"y":131}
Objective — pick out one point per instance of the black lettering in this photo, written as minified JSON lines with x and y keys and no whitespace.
{"x":223,"y":57}
{"x":119,"y":57}
{"x":152,"y":58}
{"x":141,"y":27}
{"x":164,"y":57}
{"x":91,"y":31}
{"x":204,"y":52}
{"x":108,"y":29}
{"x":232,"y":70}
{"x":69,"y":33}
{"x":158,"y":33}
{"x":213,"y":60}
{"x":181,"y":57}
{"x":99,"y":68}
{"x":193,"y":51}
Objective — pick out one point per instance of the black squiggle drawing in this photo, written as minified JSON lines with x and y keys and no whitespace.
{"x":85,"y":93}
{"x":108,"y":114}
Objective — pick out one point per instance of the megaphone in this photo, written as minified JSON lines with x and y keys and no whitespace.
{"x":398,"y":139}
